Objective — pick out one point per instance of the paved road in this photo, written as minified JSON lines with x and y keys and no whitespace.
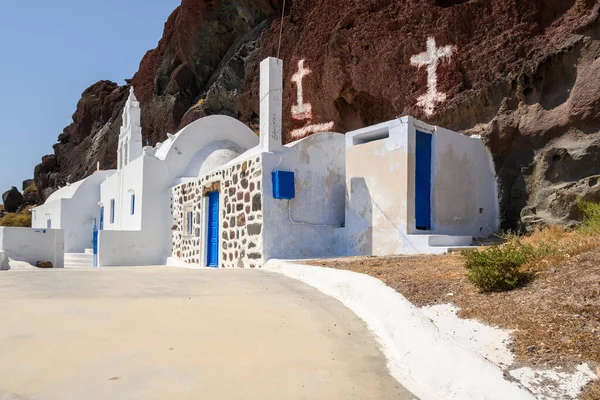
{"x":170,"y":333}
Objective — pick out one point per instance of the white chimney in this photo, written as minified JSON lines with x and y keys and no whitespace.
{"x":271,"y":104}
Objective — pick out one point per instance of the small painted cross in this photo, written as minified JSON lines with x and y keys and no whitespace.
{"x":431,"y":59}
{"x":301,"y":110}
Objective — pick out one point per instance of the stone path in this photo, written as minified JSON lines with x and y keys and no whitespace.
{"x":170,"y":333}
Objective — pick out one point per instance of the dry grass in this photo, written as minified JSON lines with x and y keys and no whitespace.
{"x":199,"y":103}
{"x":17,"y":220}
{"x":556,"y":317}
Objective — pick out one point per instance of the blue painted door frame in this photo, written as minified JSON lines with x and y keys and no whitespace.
{"x":95,"y":245}
{"x":423,"y":181}
{"x":212,"y":252}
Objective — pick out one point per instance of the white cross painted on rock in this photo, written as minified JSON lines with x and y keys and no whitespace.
{"x":431,"y":59}
{"x":301,"y":110}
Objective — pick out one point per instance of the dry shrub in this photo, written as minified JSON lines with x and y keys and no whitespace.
{"x":17,"y":220}
{"x":498,"y":268}
{"x":591,"y":218}
{"x":507,"y":266}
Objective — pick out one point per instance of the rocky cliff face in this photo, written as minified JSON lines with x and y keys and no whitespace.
{"x":522,"y":74}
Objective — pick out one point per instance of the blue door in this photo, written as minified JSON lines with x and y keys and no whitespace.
{"x":423,"y":182}
{"x":212,"y":258}
{"x":95,"y":244}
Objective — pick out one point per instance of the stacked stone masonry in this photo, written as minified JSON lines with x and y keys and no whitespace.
{"x":240,"y":216}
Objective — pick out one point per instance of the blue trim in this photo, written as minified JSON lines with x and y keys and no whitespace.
{"x":212,"y":252}
{"x":132,"y":204}
{"x":423,"y":181}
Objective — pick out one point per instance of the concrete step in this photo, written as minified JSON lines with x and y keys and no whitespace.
{"x":79,"y":260}
{"x":450,"y":240}
{"x":436,"y":244}
{"x":89,"y":251}
{"x":82,"y":257}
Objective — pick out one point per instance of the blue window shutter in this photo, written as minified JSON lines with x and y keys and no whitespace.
{"x":132,"y":204}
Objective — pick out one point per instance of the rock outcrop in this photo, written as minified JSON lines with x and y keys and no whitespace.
{"x":29,"y":192}
{"x":12,"y":200}
{"x":522,"y":74}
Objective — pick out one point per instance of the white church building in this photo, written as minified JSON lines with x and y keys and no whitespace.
{"x":215,"y":194}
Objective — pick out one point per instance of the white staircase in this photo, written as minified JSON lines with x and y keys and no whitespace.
{"x":80,"y":260}
{"x":435,"y":244}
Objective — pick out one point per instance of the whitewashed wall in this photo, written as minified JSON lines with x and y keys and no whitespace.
{"x":377,"y":180}
{"x":50,"y":211}
{"x":128,"y":248}
{"x":465,"y":195}
{"x":151,"y":178}
{"x":32,"y":245}
{"x":75,"y":213}
{"x":380,"y":178}
{"x":131,"y":179}
{"x":318,"y":208}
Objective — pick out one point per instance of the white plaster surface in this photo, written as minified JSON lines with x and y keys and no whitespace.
{"x":429,"y":363}
{"x":309,"y":224}
{"x":130,"y":136}
{"x":487,"y":341}
{"x":463,"y":169}
{"x":552,"y":384}
{"x":73,"y":209}
{"x":271,"y":103}
{"x":129,"y":248}
{"x":380,"y":185}
{"x":31,"y":245}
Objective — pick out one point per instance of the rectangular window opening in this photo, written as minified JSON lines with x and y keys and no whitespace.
{"x":132,"y":204}
{"x":112,"y":211}
{"x":371,"y":136}
{"x":189,"y":221}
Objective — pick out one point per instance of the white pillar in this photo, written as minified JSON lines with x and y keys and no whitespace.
{"x":271,"y":103}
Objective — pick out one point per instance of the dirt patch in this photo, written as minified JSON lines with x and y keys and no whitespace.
{"x":556,"y":317}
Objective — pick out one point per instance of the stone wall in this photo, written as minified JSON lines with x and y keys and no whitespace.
{"x":240,"y":216}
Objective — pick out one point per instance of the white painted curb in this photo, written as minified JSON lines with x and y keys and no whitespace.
{"x":427,"y":363}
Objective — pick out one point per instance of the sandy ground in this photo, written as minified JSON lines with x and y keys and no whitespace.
{"x":158,"y":333}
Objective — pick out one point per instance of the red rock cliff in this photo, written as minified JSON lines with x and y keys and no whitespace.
{"x":523,"y":74}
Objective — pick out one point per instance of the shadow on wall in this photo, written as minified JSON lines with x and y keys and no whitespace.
{"x":359,"y":218}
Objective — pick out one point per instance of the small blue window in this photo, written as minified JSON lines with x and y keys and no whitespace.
{"x":132,"y":204}
{"x":112,"y":211}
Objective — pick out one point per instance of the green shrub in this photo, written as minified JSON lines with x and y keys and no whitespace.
{"x":498,"y":268}
{"x":591,"y":216}
{"x":16,"y":220}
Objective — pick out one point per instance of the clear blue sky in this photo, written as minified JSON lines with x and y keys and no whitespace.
{"x":50,"y":52}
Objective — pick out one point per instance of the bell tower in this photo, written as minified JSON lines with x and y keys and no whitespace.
{"x":130,"y":138}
